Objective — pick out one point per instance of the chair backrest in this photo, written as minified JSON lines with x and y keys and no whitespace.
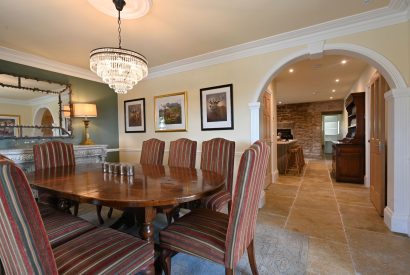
{"x":53,"y":154}
{"x":24,"y":248}
{"x":244,"y":210}
{"x":152,"y":152}
{"x":218,"y":156}
{"x":3,"y":157}
{"x":182,"y":153}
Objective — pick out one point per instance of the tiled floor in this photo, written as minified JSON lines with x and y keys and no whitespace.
{"x":346,"y":236}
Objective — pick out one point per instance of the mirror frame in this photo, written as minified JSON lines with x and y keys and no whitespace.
{"x":66,"y":133}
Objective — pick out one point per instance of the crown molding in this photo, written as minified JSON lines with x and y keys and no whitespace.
{"x":396,"y":12}
{"x":46,"y":64}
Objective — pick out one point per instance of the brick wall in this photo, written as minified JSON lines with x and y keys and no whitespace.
{"x":305,"y":120}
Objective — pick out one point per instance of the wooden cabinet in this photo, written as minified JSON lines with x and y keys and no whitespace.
{"x":348,"y":160}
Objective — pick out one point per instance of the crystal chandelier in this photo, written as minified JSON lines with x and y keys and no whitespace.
{"x":120,"y":68}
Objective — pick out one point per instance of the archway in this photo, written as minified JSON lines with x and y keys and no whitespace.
{"x":397,"y":212}
{"x":43,"y":117}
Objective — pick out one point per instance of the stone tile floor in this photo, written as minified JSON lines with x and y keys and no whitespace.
{"x":346,"y":236}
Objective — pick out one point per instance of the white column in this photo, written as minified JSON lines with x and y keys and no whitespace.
{"x":397,"y":211}
{"x":254,"y":115}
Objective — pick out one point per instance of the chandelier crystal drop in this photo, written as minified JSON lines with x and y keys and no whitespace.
{"x":120,"y":68}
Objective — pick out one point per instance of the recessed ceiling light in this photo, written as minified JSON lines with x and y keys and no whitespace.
{"x":344,"y":61}
{"x":333,"y":91}
{"x":331,"y":97}
{"x":337,"y":80}
{"x":280,"y":102}
{"x":291,"y":70}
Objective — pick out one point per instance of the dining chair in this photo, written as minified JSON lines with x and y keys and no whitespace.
{"x":182,"y":153}
{"x":220,"y":237}
{"x":218,"y":156}
{"x":4,"y":157}
{"x":25,"y":247}
{"x":152,"y":152}
{"x":54,"y":154}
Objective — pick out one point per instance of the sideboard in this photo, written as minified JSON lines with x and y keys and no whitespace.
{"x":83,"y":154}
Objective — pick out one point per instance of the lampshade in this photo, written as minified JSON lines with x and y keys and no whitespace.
{"x":85,"y":110}
{"x":66,"y":111}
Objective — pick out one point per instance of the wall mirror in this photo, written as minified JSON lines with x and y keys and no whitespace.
{"x":32,"y":108}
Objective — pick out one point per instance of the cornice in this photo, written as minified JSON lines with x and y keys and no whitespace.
{"x":397,"y":11}
{"x":46,"y":64}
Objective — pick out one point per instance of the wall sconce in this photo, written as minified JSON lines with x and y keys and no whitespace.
{"x":85,"y":110}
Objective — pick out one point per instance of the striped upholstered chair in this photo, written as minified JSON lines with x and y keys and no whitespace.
{"x":152,"y":152}
{"x":54,"y":154}
{"x":60,"y":227}
{"x":25,"y":247}
{"x":216,"y":236}
{"x":182,"y":153}
{"x":218,"y":156}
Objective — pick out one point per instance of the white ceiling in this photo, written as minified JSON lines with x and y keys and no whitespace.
{"x":314,"y":80}
{"x":66,"y":30}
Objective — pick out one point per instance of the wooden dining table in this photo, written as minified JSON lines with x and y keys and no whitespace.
{"x":150,"y":187}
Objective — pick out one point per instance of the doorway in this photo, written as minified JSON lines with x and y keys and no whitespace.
{"x":332,"y":131}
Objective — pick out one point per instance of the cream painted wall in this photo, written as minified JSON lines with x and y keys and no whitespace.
{"x":14,"y":109}
{"x":247,"y":75}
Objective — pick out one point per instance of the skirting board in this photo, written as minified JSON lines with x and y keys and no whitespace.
{"x":397,"y":223}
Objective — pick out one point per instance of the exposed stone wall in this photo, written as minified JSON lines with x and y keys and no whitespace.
{"x":305,"y":120}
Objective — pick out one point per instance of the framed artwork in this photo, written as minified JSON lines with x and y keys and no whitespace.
{"x":170,"y":112}
{"x":134,"y":115}
{"x":217,"y":108}
{"x":9,"y":120}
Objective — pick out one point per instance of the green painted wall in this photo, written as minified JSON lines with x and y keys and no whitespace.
{"x":103,"y":129}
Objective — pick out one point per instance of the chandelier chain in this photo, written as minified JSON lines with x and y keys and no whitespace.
{"x":119,"y":29}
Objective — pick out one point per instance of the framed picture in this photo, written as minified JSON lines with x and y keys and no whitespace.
{"x":9,"y":120}
{"x":134,"y":115}
{"x":170,"y":112}
{"x":217,"y":108}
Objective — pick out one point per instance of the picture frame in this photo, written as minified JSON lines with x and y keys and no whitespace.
{"x":171,"y":112}
{"x":134,"y":115}
{"x":217,"y":108}
{"x":9,"y":120}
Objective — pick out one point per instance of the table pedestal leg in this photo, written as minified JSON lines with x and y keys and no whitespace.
{"x":147,"y":230}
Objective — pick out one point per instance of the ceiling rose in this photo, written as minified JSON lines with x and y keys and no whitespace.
{"x":132,"y":10}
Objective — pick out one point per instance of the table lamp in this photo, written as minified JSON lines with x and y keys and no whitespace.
{"x":85,"y":110}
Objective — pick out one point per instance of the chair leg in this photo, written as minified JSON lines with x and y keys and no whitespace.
{"x":109,"y":215}
{"x":228,"y":271}
{"x":251,"y":257}
{"x":100,"y":219}
{"x":166,"y":261}
{"x":76,"y":205}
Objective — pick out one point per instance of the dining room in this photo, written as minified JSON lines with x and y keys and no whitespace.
{"x":149,"y":156}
